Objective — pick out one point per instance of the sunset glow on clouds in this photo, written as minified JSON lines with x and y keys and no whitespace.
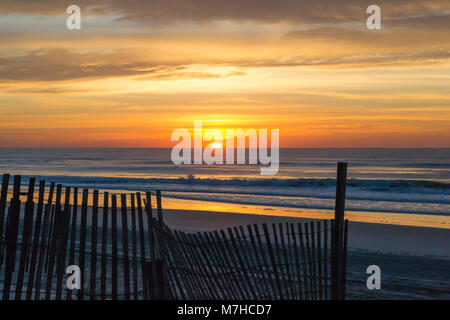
{"x":137,"y":70}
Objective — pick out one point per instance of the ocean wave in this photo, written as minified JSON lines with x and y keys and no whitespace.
{"x":366,"y":184}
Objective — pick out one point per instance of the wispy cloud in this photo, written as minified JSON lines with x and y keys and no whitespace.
{"x":294,"y":11}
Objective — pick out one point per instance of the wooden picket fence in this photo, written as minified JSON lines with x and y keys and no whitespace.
{"x":124,"y":252}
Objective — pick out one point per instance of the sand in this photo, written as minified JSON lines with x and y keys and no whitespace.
{"x":392,"y":239}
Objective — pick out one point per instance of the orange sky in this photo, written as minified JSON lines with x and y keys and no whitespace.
{"x":140,"y":69}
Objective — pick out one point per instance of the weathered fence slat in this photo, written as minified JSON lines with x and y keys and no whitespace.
{"x":63,"y":236}
{"x":274,"y":263}
{"x":104,"y":246}
{"x":27,"y":229}
{"x":325,"y":258}
{"x":314,"y":262}
{"x":305,"y":264}
{"x":265,"y":280}
{"x":286,"y":264}
{"x":12,"y":230}
{"x":142,"y":243}
{"x":83,"y":236}
{"x":94,"y":240}
{"x":179,"y":270}
{"x":53,"y":243}
{"x":192,"y":282}
{"x":44,"y":248}
{"x":36,"y":238}
{"x":319,"y":259}
{"x":126,"y":263}
{"x":73,"y":234}
{"x":240,"y":262}
{"x":297,"y":262}
{"x":134,"y":248}
{"x":3,"y":198}
{"x":249,"y":261}
{"x":114,"y":271}
{"x":232,"y":292}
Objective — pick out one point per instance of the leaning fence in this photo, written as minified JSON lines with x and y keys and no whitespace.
{"x":125,"y":252}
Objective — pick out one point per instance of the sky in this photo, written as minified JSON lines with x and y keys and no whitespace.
{"x":139,"y":69}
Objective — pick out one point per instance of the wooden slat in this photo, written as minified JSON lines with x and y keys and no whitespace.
{"x":53,"y":243}
{"x":278,"y":293}
{"x":344,"y":262}
{"x":239,"y":263}
{"x":12,"y":230}
{"x":142,"y":243}
{"x":325,"y":258}
{"x":134,"y":248}
{"x":43,"y":247}
{"x":278,"y":263}
{"x":152,"y":242}
{"x":126,"y":263}
{"x":197,"y":267}
{"x":258,"y":253}
{"x":104,"y":245}
{"x":26,"y":238}
{"x":312,"y":282}
{"x":195,"y":291}
{"x":314,"y":262}
{"x":94,"y":227}
{"x":250,"y":261}
{"x":83,"y":231}
{"x":36,"y":238}
{"x":289,"y":285}
{"x":114,"y":273}
{"x":3,"y":198}
{"x":162,"y":245}
{"x":305,"y":264}
{"x":224,"y":288}
{"x":172,"y":274}
{"x":319,"y":260}
{"x":73,"y":235}
{"x":150,"y":226}
{"x":202,"y":267}
{"x":297,"y":262}
{"x":221,"y":245}
{"x":236,"y":264}
{"x":231,"y":292}
{"x":291,"y":262}
{"x":333,"y":256}
{"x":243,"y":257}
{"x":265,"y":262}
{"x":50,"y":239}
{"x":179,"y":271}
{"x":63,"y":237}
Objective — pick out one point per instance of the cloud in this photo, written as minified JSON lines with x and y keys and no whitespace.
{"x":295,"y":11}
{"x":59,"y":65}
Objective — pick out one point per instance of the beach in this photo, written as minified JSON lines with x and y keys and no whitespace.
{"x":391,"y":239}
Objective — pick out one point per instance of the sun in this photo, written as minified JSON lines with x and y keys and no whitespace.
{"x":216,"y":145}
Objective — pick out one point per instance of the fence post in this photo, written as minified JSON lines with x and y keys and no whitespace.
{"x":338,"y":257}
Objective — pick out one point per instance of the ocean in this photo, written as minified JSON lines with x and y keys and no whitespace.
{"x":396,"y":181}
